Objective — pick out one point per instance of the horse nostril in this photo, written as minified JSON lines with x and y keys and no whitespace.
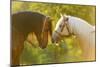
{"x":56,"y":42}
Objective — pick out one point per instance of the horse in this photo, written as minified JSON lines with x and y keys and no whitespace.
{"x":24,"y":23}
{"x":84,"y":32}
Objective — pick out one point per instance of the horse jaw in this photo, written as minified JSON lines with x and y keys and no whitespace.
{"x":65,"y":32}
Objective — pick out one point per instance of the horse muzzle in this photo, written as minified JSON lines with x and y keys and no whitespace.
{"x":55,"y":38}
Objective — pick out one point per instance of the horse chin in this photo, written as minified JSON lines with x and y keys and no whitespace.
{"x":55,"y":39}
{"x":43,"y":46}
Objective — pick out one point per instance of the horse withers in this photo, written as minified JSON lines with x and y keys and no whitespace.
{"x":24,"y":23}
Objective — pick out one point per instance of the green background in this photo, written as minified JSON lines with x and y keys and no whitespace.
{"x":68,"y":50}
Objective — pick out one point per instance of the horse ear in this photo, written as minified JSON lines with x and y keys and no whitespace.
{"x":65,"y":16}
{"x":49,"y":18}
{"x":61,"y":14}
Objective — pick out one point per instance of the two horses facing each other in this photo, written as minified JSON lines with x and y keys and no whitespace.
{"x":24,"y":23}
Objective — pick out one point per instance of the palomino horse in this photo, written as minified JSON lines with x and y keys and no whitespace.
{"x":85,"y":33}
{"x":24,"y":23}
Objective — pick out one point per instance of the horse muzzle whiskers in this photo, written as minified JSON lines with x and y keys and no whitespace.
{"x":56,"y":37}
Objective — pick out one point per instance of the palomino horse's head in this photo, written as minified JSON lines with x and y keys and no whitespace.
{"x":47,"y":29}
{"x":61,"y":29}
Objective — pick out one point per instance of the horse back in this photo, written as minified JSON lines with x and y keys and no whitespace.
{"x":27,"y":21}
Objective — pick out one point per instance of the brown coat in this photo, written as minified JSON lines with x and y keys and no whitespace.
{"x":24,"y":23}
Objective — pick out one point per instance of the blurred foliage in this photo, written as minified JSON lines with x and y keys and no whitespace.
{"x":68,"y":50}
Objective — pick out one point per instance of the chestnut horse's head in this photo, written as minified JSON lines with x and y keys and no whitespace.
{"x":46,"y":29}
{"x":61,"y":29}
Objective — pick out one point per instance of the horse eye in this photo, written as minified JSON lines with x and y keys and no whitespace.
{"x":66,"y":19}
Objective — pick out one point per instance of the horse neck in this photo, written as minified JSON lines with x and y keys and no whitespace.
{"x":85,"y":35}
{"x":80,"y":27}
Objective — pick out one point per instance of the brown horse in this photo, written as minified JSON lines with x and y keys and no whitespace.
{"x":24,"y":23}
